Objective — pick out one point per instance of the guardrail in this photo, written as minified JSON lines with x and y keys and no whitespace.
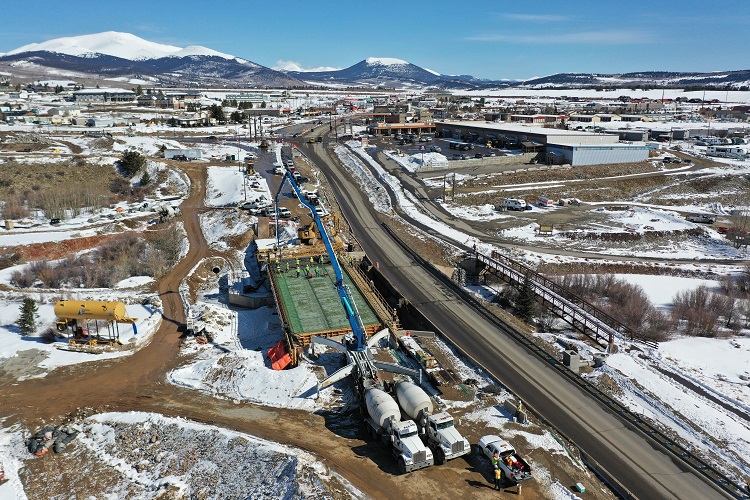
{"x":630,"y":419}
{"x":578,"y":312}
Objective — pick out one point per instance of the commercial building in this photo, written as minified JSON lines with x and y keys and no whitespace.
{"x":556,"y":146}
{"x":104,"y":95}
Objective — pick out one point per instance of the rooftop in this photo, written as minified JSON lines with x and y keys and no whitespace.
{"x":514,"y":127}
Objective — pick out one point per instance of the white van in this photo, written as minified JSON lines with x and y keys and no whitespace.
{"x":545,"y":202}
{"x":514,"y":204}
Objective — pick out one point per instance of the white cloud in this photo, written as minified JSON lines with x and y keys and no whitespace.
{"x":282,"y":65}
{"x":603,"y":37}
{"x":536,"y":18}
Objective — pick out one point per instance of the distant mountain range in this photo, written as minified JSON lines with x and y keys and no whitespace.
{"x":127,"y":58}
{"x":393,"y":73}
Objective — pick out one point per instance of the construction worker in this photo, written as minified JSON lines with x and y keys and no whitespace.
{"x":287,"y":265}
{"x":307,"y":270}
{"x":298,"y":270}
{"x":498,"y":477}
{"x":297,"y":261}
{"x":495,"y":461}
{"x":311,"y":260}
{"x":317,"y":271}
{"x":278,"y":267}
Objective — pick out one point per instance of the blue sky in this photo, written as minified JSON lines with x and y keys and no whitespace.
{"x":488,"y":39}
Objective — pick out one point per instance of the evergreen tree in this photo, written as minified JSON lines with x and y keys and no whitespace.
{"x":131,"y":162}
{"x":29,"y":315}
{"x":526,"y":302}
{"x":139,"y":90}
{"x":145,"y":179}
{"x":217,"y":112}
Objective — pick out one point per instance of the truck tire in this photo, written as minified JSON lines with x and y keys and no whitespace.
{"x":401,"y":466}
{"x":439,"y":456}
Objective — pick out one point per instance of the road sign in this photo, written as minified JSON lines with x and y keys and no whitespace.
{"x":422,"y":148}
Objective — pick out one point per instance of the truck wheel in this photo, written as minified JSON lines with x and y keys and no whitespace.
{"x":439,"y":456}
{"x":401,"y":466}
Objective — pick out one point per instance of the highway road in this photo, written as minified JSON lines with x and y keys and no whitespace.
{"x":644,"y":470}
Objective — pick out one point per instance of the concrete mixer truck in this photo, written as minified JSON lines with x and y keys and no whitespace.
{"x":384,"y":423}
{"x":436,"y":430}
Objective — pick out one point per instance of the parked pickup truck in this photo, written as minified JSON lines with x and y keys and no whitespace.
{"x":513,"y":467}
{"x":702,"y":218}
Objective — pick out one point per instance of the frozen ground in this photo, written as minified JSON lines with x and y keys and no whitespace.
{"x":146,"y":455}
{"x":26,"y":357}
{"x":236,"y":365}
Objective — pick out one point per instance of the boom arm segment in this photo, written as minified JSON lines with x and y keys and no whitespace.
{"x":347,"y":302}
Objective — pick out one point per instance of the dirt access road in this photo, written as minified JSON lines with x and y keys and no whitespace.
{"x":138,"y":383}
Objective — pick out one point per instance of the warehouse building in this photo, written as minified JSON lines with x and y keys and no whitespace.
{"x":558,"y":146}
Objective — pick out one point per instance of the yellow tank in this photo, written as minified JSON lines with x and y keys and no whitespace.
{"x":92,"y":309}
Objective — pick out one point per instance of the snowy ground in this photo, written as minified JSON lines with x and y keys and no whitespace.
{"x":236,"y":365}
{"x":715,"y":365}
{"x":30,"y":357}
{"x":233,"y":366}
{"x":146,"y":455}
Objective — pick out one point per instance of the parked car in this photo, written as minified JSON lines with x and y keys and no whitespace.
{"x":490,"y":153}
{"x":478,"y":155}
{"x":701,"y":218}
{"x":284,"y":213}
{"x":435,"y":149}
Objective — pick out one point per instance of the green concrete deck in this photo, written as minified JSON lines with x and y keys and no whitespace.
{"x":313,"y":304}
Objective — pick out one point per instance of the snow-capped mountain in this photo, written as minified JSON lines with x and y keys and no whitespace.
{"x":659,"y":79}
{"x":114,"y":54}
{"x":123,"y":56}
{"x":391,"y":72}
{"x":116,"y":44}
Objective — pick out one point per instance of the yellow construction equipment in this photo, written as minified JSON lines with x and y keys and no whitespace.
{"x":307,"y":234}
{"x":75,"y":318}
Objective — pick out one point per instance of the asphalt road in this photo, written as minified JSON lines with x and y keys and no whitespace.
{"x":645,"y":471}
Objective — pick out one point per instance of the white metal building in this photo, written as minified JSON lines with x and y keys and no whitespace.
{"x":586,"y":154}
{"x":190,"y":154}
{"x":574,"y":147}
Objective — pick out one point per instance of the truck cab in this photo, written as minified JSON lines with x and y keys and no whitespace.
{"x":449,"y":442}
{"x":413,"y":454}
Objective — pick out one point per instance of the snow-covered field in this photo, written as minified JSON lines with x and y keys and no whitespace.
{"x":236,"y":367}
{"x":31,"y":357}
{"x":147,"y":455}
